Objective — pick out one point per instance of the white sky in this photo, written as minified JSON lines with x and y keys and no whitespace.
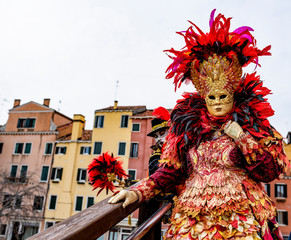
{"x":74,"y":51}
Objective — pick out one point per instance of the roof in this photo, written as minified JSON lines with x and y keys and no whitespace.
{"x":86,"y":136}
{"x":134,"y":109}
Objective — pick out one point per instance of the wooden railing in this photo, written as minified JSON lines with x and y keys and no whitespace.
{"x":94,"y":221}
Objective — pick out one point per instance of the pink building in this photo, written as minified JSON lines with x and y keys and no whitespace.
{"x":26,"y":155}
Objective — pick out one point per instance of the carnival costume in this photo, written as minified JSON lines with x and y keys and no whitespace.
{"x":159,"y":124}
{"x":219,"y":177}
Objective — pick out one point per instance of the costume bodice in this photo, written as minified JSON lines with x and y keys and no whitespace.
{"x":214,"y":179}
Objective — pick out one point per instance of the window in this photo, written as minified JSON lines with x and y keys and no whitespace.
{"x":57,"y":174}
{"x":267,"y":188}
{"x":23,"y":173}
{"x":132,"y":173}
{"x":121,"y":148}
{"x":125,"y":233}
{"x":282,"y":217}
{"x":38,"y":202}
{"x":99,"y":122}
{"x":133,"y":150}
{"x":7,"y":201}
{"x":79,"y":203}
{"x":81,"y":175}
{"x":61,"y":150}
{"x":20,"y":146}
{"x":26,"y":123}
{"x":53,"y":202}
{"x":48,"y":149}
{"x":18,"y":200}
{"x":124,"y":121}
{"x":13,"y":171}
{"x":85,"y":150}
{"x":3,"y":229}
{"x":90,"y":201}
{"x":49,"y":224}
{"x":97,"y":148}
{"x":280,"y":190}
{"x":44,"y":174}
{"x":1,"y":147}
{"x":135,"y":127}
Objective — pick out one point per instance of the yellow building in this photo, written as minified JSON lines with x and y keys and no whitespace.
{"x":69,"y":190}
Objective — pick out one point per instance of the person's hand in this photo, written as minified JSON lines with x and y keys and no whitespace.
{"x":128,"y":197}
{"x":233,"y":129}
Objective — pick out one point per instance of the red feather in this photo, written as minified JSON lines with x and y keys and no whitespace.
{"x":161,"y":113}
{"x":100,"y":167}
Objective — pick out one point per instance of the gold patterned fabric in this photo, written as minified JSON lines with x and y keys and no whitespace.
{"x":219,"y":200}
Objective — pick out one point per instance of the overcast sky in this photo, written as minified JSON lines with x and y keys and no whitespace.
{"x":75,"y":51}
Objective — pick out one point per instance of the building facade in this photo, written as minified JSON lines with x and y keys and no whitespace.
{"x":120,"y":130}
{"x":26,"y":153}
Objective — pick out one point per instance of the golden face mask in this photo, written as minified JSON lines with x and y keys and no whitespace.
{"x":217,"y":79}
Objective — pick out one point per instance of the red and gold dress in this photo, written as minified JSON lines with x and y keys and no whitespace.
{"x":219,"y":187}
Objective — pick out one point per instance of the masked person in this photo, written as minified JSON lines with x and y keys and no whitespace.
{"x":220,"y":146}
{"x":159,"y":132}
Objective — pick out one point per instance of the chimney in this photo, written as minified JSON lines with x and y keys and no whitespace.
{"x":78,"y":126}
{"x":16,"y":103}
{"x":115,"y":104}
{"x":46,"y":102}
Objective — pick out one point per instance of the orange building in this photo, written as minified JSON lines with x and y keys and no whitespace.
{"x":26,"y":154}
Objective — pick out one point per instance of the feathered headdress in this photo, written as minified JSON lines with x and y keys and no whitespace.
{"x":238,"y":44}
{"x":160,"y":121}
{"x":102,"y":171}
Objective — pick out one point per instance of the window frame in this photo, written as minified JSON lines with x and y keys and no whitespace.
{"x":94,"y":150}
{"x":15,"y":148}
{"x":87,"y":202}
{"x":24,"y":149}
{"x":124,"y":121}
{"x":59,"y":150}
{"x":278,"y":194}
{"x":135,"y":172}
{"x":137,"y":124}
{"x":80,"y":175}
{"x":281,"y":217}
{"x":48,"y":173}
{"x":118,"y":151}
{"x":76,"y":201}
{"x":5,"y":231}
{"x":50,"y":202}
{"x":268,"y":189}
{"x":1,"y":147}
{"x":99,"y":123}
{"x":17,"y":198}
{"x":45,"y":224}
{"x":83,"y":150}
{"x":20,"y":173}
{"x":54,"y":172}
{"x":51,"y":149}
{"x":135,"y":153}
{"x":26,"y":123}
{"x":34,"y":202}
{"x":13,"y":165}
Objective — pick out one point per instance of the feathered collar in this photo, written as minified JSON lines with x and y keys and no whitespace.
{"x":191,"y":123}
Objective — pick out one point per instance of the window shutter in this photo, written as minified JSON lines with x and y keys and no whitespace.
{"x":65,"y":150}
{"x":89,"y":150}
{"x":276,"y":191}
{"x":285,"y":191}
{"x":81,"y":150}
{"x":61,"y":173}
{"x":78,"y":174}
{"x":53,"y":173}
